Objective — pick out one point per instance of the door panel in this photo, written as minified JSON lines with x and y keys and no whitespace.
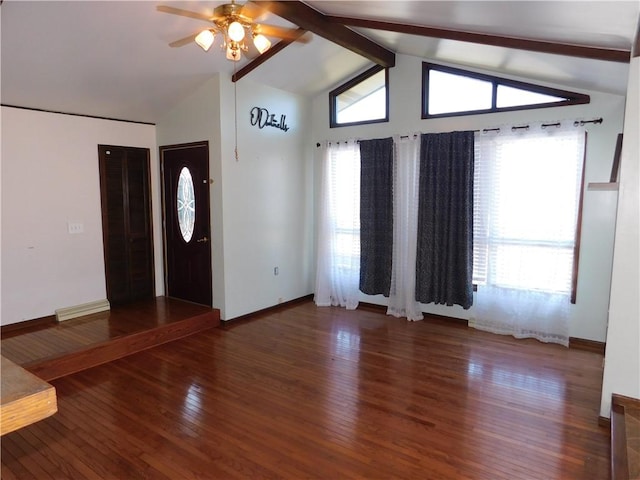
{"x":126,"y":222}
{"x":140,"y":257}
{"x":187,"y":249}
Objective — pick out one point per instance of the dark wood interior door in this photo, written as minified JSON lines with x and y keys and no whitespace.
{"x":126,"y":223}
{"x":185,"y":181}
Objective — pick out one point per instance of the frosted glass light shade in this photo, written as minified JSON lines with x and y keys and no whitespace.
{"x":205,"y":39}
{"x":235,"y":31}
{"x":262,"y":43}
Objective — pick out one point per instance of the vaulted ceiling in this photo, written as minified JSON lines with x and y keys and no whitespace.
{"x":112,"y":59}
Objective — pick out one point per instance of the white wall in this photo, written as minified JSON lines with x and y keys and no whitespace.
{"x":622,"y":357}
{"x":50,"y":177}
{"x":261,"y":202}
{"x":268,"y":200}
{"x":589,"y":315}
{"x":261,"y":205}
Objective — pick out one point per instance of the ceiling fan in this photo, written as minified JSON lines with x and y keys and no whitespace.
{"x":233,"y":22}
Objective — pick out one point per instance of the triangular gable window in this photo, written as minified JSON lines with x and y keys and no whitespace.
{"x":448,"y":91}
{"x":363,"y":99}
{"x":519,"y":97}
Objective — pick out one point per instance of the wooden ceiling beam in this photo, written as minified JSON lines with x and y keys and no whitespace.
{"x":312,"y":20}
{"x":595,"y":53}
{"x":260,"y":59}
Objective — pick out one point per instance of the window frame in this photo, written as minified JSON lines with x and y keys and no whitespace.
{"x":572,"y":98}
{"x":333,"y":95}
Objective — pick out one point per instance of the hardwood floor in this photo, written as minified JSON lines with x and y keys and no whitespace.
{"x":326,"y":393}
{"x":53,"y":350}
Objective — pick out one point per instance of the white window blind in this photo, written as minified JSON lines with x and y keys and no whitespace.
{"x":527,"y":187}
{"x":338,"y":266}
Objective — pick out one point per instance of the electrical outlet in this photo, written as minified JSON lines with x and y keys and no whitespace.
{"x":276,"y":270}
{"x":75,"y":228}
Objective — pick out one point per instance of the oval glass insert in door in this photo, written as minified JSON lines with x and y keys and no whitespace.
{"x":186,"y":204}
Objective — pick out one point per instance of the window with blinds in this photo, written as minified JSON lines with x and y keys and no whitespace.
{"x":526,"y":199}
{"x":344,"y":204}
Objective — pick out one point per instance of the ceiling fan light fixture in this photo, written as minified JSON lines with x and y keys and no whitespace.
{"x":233,"y":52}
{"x":205,"y":39}
{"x":234,"y":23}
{"x":235,"y":31}
{"x":261,"y":43}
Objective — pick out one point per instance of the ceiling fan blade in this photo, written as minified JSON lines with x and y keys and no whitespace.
{"x":281,"y":32}
{"x":184,"y":13}
{"x":253,"y":10}
{"x":184,"y":41}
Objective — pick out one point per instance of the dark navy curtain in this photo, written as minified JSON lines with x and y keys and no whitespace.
{"x":444,"y":264}
{"x":376,"y":215}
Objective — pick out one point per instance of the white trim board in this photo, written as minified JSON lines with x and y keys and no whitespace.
{"x":76,"y":311}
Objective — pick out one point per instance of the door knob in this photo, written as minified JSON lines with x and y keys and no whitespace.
{"x":202,"y":240}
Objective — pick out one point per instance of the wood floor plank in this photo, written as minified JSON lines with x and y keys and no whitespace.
{"x":118,"y":453}
{"x":16,"y":471}
{"x":326,"y":393}
{"x":31,"y":346}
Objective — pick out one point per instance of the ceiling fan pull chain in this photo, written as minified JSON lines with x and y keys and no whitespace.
{"x":235,"y":110}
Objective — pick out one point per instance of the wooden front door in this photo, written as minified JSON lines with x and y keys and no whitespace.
{"x":126,"y":223}
{"x":187,"y":233}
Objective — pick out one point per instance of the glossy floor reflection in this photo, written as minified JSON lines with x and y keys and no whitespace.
{"x":53,"y":339}
{"x":326,"y":393}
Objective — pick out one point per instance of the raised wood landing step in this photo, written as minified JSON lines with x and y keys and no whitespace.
{"x":24,"y":398}
{"x":625,"y":438}
{"x":53,"y":350}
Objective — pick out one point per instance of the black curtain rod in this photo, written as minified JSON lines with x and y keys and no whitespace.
{"x":582,"y":122}
{"x":514,"y":128}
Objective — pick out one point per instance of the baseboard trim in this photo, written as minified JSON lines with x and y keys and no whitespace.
{"x":76,"y":311}
{"x":575,"y":343}
{"x":265,"y":311}
{"x":588,"y":345}
{"x":17,"y":328}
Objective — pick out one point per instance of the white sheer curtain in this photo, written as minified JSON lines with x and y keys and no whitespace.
{"x":527,"y":187}
{"x":338,"y":262}
{"x":402,"y":296}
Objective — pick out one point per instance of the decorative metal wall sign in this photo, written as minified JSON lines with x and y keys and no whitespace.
{"x":261,"y":118}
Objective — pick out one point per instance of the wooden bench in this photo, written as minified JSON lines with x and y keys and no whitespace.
{"x":25,"y":398}
{"x":625,"y":438}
